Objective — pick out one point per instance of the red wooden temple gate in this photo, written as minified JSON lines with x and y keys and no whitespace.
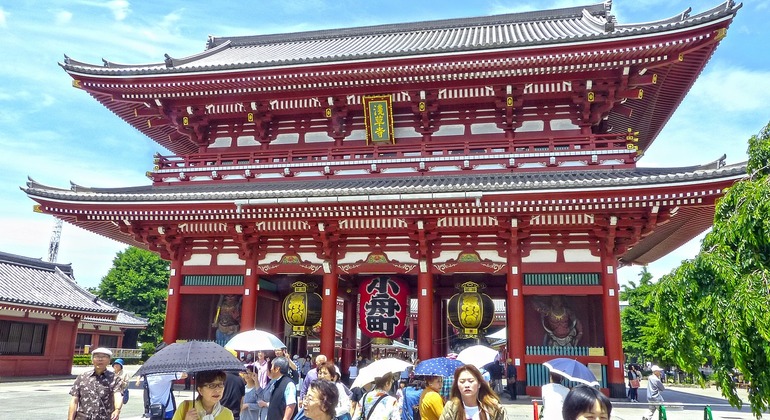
{"x":435,"y":152}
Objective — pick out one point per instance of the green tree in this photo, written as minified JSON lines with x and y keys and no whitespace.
{"x":717,"y":305}
{"x":138,"y":282}
{"x":642,"y":339}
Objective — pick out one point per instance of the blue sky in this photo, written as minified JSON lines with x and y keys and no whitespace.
{"x":56,"y":134}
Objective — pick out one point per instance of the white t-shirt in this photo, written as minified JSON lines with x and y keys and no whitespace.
{"x":160,"y":388}
{"x":553,"y":399}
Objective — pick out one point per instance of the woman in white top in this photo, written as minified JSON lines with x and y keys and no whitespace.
{"x":377,"y":404}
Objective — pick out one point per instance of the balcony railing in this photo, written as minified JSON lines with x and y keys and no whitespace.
{"x":326,"y":161}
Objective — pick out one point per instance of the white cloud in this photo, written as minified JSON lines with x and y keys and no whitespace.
{"x":62,"y":17}
{"x":120,"y":9}
{"x":3,"y":17}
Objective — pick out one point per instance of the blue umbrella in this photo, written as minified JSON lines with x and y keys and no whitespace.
{"x":572,"y":370}
{"x":438,"y":366}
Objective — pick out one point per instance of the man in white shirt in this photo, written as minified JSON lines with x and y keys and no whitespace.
{"x":654,"y":391}
{"x":158,"y":388}
{"x":553,"y":395}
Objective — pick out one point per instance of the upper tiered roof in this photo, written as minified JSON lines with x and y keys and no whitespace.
{"x":540,"y":53}
{"x":499,"y":32}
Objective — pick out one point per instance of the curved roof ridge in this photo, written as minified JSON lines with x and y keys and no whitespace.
{"x":172,"y":62}
{"x":600,"y":9}
{"x":725,"y":8}
{"x":279,"y":188}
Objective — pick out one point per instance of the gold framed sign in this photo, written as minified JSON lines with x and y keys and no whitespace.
{"x":378,"y":117}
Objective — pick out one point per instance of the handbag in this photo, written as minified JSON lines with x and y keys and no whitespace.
{"x":634,"y":383}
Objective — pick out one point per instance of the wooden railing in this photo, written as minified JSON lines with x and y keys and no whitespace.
{"x":511,"y":153}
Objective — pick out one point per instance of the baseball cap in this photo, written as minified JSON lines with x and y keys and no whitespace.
{"x":655,"y":368}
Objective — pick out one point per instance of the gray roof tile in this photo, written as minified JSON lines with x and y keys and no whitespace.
{"x":582,"y":23}
{"x":36,"y":283}
{"x":408,"y":184}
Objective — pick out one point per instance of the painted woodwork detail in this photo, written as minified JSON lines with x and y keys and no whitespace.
{"x":509,"y":102}
{"x":290,"y":263}
{"x":339,"y":119}
{"x":192,"y":122}
{"x":378,"y":262}
{"x":251,"y":245}
{"x":262,"y":118}
{"x":426,"y":113}
{"x":468,"y":261}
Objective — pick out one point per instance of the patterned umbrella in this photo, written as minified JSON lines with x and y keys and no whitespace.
{"x":190,"y":357}
{"x":572,"y":370}
{"x":438,"y":366}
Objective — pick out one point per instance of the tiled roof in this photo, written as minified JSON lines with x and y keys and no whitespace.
{"x":498,"y":32}
{"x":46,"y":287}
{"x":409,"y":184}
{"x":124,"y":319}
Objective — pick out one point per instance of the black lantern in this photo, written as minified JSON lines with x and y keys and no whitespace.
{"x":471,"y":312}
{"x":301,"y":308}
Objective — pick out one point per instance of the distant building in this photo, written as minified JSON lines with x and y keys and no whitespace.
{"x":41,"y":311}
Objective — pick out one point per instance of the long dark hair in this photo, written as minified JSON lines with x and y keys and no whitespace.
{"x":488,"y":400}
{"x":582,"y":398}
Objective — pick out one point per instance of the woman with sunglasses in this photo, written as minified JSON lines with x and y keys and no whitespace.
{"x":210,"y":385}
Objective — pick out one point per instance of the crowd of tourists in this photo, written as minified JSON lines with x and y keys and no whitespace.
{"x":275,"y":386}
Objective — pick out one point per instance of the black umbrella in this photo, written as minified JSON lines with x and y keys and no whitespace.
{"x":190,"y":357}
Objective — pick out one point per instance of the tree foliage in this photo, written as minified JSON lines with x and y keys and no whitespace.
{"x":138,"y":282}
{"x":642,"y":340}
{"x":717,"y":305}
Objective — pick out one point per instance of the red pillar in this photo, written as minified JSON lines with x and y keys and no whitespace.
{"x":439,"y":327}
{"x":348,"y":332}
{"x":514,"y":306}
{"x":424,"y":312}
{"x":328,"y":314}
{"x":613,"y":340}
{"x":173,"y":303}
{"x":250,"y":294}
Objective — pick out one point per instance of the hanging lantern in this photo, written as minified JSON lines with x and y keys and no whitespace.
{"x":302,"y":309}
{"x":383,"y":307}
{"x":471,"y":312}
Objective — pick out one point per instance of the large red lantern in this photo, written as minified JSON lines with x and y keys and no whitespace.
{"x":383,"y":307}
{"x":302,"y":308}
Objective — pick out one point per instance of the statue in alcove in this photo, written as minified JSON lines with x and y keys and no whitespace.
{"x":561,"y":325}
{"x":227,"y":320}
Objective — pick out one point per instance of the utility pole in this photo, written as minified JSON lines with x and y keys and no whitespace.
{"x":53,"y":247}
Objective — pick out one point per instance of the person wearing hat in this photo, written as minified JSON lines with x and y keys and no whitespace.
{"x":117,"y":366}
{"x":96,"y":393}
{"x":654,"y":391}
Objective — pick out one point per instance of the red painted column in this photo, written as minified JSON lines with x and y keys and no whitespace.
{"x":424,"y":312}
{"x":349,"y":326}
{"x":613,"y":339}
{"x":173,"y":303}
{"x":514,"y":307}
{"x":439,"y":327}
{"x":250,"y":295}
{"x":328,"y":314}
